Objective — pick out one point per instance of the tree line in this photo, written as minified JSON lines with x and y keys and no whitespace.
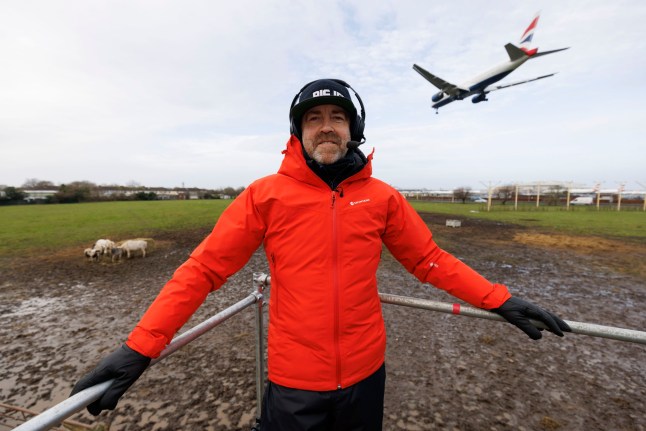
{"x":86,"y":191}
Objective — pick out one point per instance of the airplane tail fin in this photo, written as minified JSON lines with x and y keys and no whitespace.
{"x":514,"y":52}
{"x":527,"y":36}
{"x":524,"y":49}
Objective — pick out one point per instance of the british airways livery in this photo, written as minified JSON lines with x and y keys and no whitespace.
{"x":482,"y":84}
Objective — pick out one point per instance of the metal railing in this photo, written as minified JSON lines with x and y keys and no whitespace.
{"x":11,"y":416}
{"x":56,"y":414}
{"x":581,"y":328}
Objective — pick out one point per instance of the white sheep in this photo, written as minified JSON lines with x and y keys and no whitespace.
{"x":104,"y":246}
{"x":132,"y":245}
{"x":92,"y":253}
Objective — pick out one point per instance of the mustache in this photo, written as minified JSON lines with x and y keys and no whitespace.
{"x":327,"y":137}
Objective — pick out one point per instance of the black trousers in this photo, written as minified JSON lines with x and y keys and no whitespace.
{"x":357,"y":408}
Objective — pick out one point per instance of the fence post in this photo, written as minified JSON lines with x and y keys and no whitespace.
{"x":260,"y":281}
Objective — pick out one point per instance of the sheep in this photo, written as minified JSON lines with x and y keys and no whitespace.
{"x":132,"y":245}
{"x":92,"y":253}
{"x":104,"y":246}
{"x":117,"y":252}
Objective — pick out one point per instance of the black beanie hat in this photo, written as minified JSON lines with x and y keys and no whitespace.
{"x":320,"y":92}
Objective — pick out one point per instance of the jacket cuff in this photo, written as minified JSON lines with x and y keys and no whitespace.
{"x":498,"y":295}
{"x":144,"y":342}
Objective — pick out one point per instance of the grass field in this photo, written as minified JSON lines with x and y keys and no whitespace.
{"x":30,"y":228}
{"x":578,"y":220}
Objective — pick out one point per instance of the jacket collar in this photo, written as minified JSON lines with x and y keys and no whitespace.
{"x":295,"y":166}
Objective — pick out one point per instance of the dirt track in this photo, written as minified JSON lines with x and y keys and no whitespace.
{"x":58,"y":317}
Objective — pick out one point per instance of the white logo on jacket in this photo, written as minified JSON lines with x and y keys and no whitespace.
{"x":359,"y":202}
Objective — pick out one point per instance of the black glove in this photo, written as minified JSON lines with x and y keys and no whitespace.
{"x":518,"y":312}
{"x":124,"y":365}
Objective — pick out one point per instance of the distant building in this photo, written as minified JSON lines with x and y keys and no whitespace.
{"x":38,"y":195}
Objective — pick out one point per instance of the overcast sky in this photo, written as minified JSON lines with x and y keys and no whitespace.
{"x":197,"y":93}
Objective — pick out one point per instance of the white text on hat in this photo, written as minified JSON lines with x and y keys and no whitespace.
{"x":325,"y":92}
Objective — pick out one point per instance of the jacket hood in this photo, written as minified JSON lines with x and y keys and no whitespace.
{"x":294,"y":165}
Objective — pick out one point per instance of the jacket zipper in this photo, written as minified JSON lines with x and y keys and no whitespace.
{"x":274,"y":291}
{"x":335,"y":289}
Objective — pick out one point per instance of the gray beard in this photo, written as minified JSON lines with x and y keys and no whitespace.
{"x":320,"y":158}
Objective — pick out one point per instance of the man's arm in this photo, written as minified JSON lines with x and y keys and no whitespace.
{"x":411,"y":242}
{"x":235,"y":237}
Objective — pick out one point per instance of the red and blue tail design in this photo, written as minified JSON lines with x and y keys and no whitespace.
{"x":526,"y":38}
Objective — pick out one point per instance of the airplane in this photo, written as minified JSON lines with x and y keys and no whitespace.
{"x":481,"y":85}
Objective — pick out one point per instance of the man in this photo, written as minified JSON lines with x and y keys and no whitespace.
{"x":322,"y":220}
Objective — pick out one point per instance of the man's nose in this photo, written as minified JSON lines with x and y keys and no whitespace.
{"x":327,"y":125}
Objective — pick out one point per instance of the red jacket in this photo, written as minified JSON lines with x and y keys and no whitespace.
{"x":326,"y":329}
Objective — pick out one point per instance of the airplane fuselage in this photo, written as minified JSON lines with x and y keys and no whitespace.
{"x":478,"y":84}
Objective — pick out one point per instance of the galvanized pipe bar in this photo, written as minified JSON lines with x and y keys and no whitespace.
{"x":56,"y":414}
{"x":582,"y":328}
{"x":11,"y":412}
{"x":259,"y":283}
{"x":207,"y":325}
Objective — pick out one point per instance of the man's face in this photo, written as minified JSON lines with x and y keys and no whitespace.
{"x":326,"y":132}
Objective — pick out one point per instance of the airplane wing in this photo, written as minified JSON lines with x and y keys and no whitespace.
{"x":500,"y":87}
{"x":446,"y":87}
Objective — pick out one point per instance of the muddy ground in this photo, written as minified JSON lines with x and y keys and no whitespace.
{"x":60,"y":314}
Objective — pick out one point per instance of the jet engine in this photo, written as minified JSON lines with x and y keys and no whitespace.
{"x":479,"y":98}
{"x":437,"y":97}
